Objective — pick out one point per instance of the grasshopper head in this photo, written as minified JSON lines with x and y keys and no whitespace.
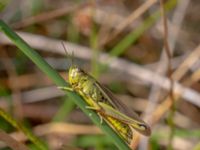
{"x":75,"y":75}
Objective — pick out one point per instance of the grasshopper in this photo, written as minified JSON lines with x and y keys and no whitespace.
{"x":108,"y":107}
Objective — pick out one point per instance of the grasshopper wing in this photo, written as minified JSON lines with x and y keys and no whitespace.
{"x":119,"y":111}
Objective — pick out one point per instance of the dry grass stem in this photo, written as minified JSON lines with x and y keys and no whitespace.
{"x":59,"y":128}
{"x":16,"y":96}
{"x":52,"y":45}
{"x":11,"y":142}
{"x":47,"y":16}
{"x":128,"y":20}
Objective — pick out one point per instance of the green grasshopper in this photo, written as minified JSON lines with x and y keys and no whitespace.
{"x":108,"y":107}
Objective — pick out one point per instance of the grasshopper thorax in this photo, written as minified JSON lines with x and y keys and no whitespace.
{"x":75,"y":75}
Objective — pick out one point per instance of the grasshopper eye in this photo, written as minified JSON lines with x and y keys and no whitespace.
{"x":143,"y":127}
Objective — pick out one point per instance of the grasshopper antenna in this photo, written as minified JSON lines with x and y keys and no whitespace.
{"x":67,"y":54}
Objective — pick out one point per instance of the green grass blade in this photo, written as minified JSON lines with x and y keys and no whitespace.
{"x":64,"y":110}
{"x":22,"y":128}
{"x":134,"y":35}
{"x":58,"y":80}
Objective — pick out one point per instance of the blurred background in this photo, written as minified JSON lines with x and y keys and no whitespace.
{"x":123,"y":44}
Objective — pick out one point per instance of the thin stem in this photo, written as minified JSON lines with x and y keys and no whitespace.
{"x":169,"y":56}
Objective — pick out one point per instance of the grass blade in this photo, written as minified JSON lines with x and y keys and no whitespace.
{"x":58,"y":80}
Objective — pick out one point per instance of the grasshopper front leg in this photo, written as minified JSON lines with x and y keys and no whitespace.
{"x":65,"y":88}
